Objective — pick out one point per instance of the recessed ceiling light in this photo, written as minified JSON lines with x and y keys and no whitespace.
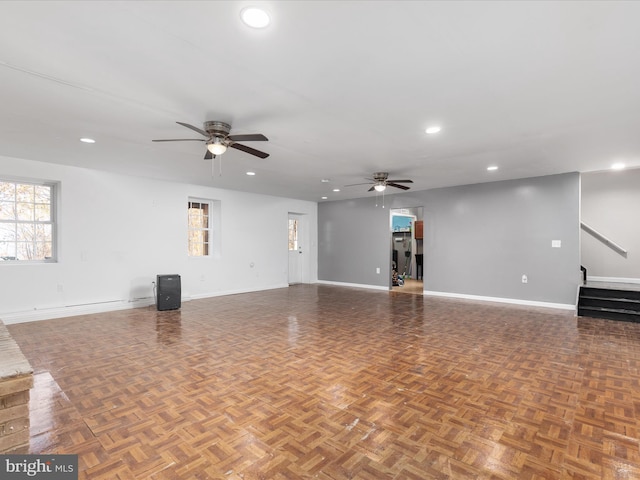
{"x":324,"y":198}
{"x":336,"y":189}
{"x":255,"y":17}
{"x":87,"y":140}
{"x":251,"y":174}
{"x":325,"y":180}
{"x":618,"y":166}
{"x":432,"y":130}
{"x":492,"y":168}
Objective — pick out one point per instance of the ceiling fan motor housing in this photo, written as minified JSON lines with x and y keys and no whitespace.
{"x":380,"y":176}
{"x":217,"y":129}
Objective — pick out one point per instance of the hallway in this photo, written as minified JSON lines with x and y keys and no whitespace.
{"x":411,"y":286}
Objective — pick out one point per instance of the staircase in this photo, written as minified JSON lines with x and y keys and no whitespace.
{"x":610,"y":302}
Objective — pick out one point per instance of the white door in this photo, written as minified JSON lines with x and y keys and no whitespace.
{"x":296,"y":248}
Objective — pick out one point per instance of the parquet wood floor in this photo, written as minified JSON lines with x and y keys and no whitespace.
{"x":324,"y":382}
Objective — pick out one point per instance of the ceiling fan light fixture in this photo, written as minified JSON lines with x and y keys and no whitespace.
{"x":380,"y":187}
{"x":216,"y":147}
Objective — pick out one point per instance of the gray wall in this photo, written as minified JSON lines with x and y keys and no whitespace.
{"x":610,"y":203}
{"x":478,"y":239}
{"x":354,"y":238}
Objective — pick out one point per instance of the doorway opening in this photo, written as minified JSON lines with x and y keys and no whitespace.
{"x":297,"y":243}
{"x":407,"y":233}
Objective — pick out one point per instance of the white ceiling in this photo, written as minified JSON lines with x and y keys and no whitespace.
{"x":341,"y":89}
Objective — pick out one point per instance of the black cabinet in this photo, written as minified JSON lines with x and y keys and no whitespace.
{"x":169,"y":292}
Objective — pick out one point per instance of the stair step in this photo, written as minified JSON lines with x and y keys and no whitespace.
{"x":609,"y":293}
{"x":609,"y":313}
{"x":609,"y":303}
{"x":612,"y":303}
{"x":617,"y":298}
{"x":606,"y":309}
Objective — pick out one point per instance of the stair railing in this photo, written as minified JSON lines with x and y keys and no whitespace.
{"x":608,"y":242}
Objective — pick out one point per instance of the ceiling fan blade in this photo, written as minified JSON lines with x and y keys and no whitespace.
{"x":180,"y":140}
{"x":372,"y":189}
{"x":252,"y":151}
{"x":195,"y":129}
{"x":250,"y":137}
{"x":401,"y":187}
{"x":208,"y":155}
{"x":356,"y":184}
{"x":400,"y":181}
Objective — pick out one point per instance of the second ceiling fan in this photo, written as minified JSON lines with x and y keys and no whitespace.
{"x":217,"y":138}
{"x":380,"y":182}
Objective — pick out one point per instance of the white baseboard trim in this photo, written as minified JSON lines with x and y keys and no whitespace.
{"x":115,"y":305}
{"x":73,"y":310}
{"x":50,"y":313}
{"x":237,"y":291}
{"x":513,"y":301}
{"x":356,"y":285}
{"x":613,"y":279}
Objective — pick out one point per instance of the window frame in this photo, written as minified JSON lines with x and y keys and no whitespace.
{"x":207,"y":241}
{"x":54,"y":193}
{"x":293,"y":241}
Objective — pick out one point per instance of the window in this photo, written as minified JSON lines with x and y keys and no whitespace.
{"x":199,"y":231}
{"x":27,"y":221}
{"x":293,"y":234}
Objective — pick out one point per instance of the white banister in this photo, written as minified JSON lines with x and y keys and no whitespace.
{"x":609,"y":243}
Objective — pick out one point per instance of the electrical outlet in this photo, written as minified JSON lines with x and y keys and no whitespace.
{"x":524,"y":279}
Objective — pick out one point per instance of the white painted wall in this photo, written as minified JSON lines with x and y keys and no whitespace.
{"x":610,"y":202}
{"x":118,"y":232}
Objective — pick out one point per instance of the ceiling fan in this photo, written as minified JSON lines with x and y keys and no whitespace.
{"x":217,"y":138}
{"x":380,"y":182}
